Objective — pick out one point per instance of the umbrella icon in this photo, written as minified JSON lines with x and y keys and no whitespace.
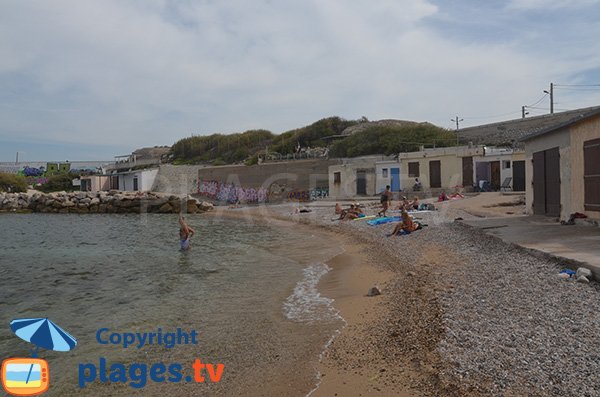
{"x":43,"y":333}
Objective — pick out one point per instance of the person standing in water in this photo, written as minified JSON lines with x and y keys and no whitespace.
{"x":185,"y":233}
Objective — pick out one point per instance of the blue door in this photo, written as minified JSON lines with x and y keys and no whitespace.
{"x":395,"y":173}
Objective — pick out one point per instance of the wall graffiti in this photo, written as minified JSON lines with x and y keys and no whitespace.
{"x":231,"y":193}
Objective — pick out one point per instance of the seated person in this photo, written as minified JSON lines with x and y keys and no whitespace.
{"x":417,"y":186}
{"x":406,"y":224}
{"x":403,"y":204}
{"x":414,"y":205}
{"x":338,"y":209}
{"x":352,"y":213}
{"x":443,"y":196}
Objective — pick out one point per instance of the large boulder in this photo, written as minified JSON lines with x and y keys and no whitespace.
{"x":165,"y":208}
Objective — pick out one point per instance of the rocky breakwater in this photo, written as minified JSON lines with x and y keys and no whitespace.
{"x":100,"y":202}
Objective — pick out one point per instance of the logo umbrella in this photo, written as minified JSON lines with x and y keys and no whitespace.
{"x":43,"y":333}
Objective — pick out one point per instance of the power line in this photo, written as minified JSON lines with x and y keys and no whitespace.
{"x":579,"y":88}
{"x":577,"y":85}
{"x":538,"y":101}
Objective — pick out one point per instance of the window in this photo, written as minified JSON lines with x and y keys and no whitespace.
{"x":506,"y":164}
{"x":413,"y":170}
{"x":337,"y":177}
{"x":384,"y":172}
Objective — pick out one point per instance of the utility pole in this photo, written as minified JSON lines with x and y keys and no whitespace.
{"x":551,"y":92}
{"x":456,"y":120}
{"x":523,"y":112}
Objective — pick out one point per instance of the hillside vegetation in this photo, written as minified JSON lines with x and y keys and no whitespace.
{"x":368,"y":138}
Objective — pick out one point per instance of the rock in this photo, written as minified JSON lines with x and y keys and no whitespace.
{"x":373,"y":291}
{"x":191,"y":207}
{"x":205,"y":206}
{"x":585,"y":272}
{"x":412,"y":274}
{"x":165,"y":209}
{"x":582,"y":279}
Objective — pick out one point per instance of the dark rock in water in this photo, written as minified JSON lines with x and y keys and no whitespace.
{"x":373,"y":291}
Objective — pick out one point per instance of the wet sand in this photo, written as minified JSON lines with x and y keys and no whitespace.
{"x":340,"y":372}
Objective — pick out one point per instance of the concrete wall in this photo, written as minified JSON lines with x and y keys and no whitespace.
{"x":584,"y":131}
{"x":560,"y":139}
{"x":347,"y":186}
{"x":300,"y":175}
{"x":451,"y":171}
{"x":451,"y":165}
{"x":97,"y":183}
{"x":177,"y":179}
{"x":380,"y":181}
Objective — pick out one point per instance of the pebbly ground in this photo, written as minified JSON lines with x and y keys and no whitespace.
{"x":469,"y":314}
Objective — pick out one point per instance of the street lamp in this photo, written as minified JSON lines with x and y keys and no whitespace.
{"x":551,"y":92}
{"x":456,"y":120}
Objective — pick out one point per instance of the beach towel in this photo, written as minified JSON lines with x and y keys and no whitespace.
{"x":360,"y":218}
{"x":384,"y":220}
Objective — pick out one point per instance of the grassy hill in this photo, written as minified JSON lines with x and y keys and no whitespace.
{"x":345,"y":138}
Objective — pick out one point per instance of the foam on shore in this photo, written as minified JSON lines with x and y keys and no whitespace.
{"x":306,"y":304}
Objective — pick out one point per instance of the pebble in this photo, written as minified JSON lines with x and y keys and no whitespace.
{"x":510,"y":326}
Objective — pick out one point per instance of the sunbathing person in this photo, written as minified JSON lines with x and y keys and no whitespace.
{"x":414,"y":205}
{"x":352,"y":213}
{"x":406,"y":224}
{"x":403,"y":204}
{"x":338,"y":209}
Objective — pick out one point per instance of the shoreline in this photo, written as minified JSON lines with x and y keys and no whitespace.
{"x":353,"y":272}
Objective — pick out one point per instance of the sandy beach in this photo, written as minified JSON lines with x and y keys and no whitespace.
{"x":460,"y":314}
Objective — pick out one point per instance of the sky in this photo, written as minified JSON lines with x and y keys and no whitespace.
{"x":93,"y":79}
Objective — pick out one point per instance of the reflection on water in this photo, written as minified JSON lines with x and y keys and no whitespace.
{"x":127,"y":273}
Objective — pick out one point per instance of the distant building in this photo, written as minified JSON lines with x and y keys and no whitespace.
{"x":139,"y":180}
{"x":145,"y":157}
{"x":354,"y":177}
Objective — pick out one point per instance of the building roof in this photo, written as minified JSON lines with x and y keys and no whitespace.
{"x":576,"y":117}
{"x":519,"y":130}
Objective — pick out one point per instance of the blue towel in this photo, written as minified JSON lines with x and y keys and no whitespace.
{"x":381,"y":221}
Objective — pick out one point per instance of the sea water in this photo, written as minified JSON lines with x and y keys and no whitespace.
{"x":249,"y":290}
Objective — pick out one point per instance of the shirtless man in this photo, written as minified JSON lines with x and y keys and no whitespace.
{"x":185,"y":232}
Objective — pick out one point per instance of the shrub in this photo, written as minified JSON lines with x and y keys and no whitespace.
{"x":12,"y":183}
{"x":58,"y":182}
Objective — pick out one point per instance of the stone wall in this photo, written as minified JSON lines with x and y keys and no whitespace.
{"x":99,"y":202}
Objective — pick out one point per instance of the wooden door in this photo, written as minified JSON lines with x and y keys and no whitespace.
{"x":467,"y":171}
{"x":361,"y":182}
{"x":435,"y":174}
{"x":591,"y":174}
{"x":539,"y":183}
{"x":552,"y":181}
{"x":518,"y":176}
{"x":395,"y":185}
{"x":495,"y":175}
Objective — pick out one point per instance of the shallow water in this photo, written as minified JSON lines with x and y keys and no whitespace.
{"x":249,"y":290}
